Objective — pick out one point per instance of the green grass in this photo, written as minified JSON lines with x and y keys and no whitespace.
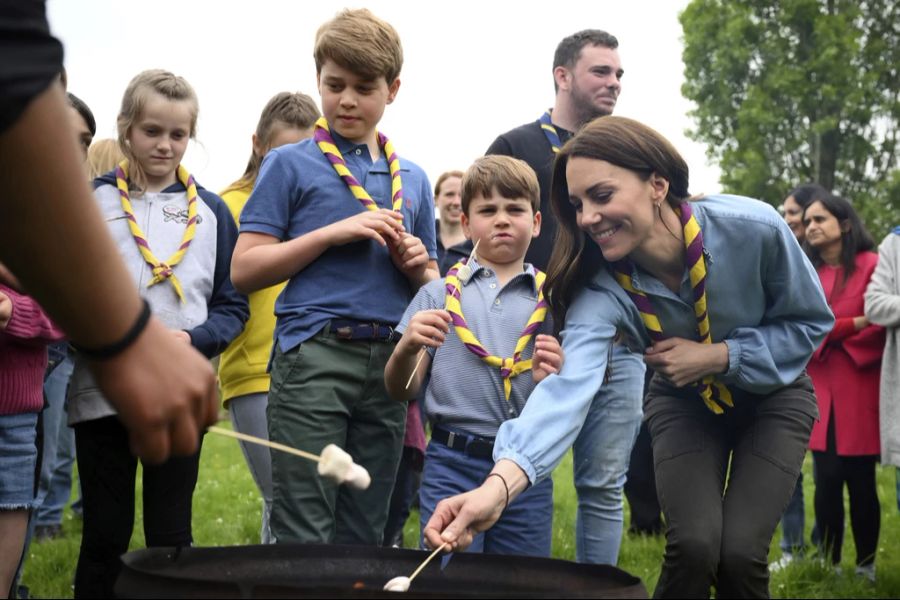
{"x":227,"y":512}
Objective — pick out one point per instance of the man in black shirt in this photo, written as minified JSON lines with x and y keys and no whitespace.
{"x":587,"y":74}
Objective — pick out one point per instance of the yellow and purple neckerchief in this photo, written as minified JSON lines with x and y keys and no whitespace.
{"x":550,"y":131}
{"x":509,"y":367}
{"x":323,"y":139}
{"x":161,"y":270}
{"x":713,"y":392}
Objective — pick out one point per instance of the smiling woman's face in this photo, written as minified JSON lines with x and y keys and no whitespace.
{"x":613,"y":206}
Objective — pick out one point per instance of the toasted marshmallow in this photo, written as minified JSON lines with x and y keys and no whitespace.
{"x":397,"y":584}
{"x":358,"y":477}
{"x":334,"y":463}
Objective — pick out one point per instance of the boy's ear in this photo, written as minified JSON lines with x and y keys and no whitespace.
{"x":464,"y":221}
{"x":392,"y":90}
{"x":536,"y":228}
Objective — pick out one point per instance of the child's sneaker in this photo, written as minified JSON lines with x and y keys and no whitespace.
{"x":866,"y":571}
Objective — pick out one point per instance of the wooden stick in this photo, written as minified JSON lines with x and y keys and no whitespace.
{"x":422,"y":353}
{"x":474,"y":249}
{"x":427,"y":560}
{"x":262,"y":442}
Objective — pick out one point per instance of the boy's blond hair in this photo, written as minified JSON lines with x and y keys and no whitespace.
{"x":361,"y":42}
{"x":510,"y":177}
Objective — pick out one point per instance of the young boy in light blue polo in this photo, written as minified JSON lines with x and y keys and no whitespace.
{"x":482,"y":331}
{"x":351,"y":227}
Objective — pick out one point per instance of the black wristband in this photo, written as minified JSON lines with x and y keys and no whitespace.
{"x":505,"y":486}
{"x":116,"y":348}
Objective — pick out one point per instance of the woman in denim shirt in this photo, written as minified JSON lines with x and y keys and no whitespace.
{"x":730,"y":412}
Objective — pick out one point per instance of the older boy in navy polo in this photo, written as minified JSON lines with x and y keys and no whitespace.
{"x":482,"y":328}
{"x":351,"y":227}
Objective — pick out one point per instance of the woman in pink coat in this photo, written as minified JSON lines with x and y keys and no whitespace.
{"x":845,"y":371}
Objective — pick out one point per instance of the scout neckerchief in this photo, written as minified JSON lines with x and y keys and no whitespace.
{"x":322,"y":136}
{"x":712,"y":391}
{"x":509,"y":367}
{"x":550,"y":132}
{"x":161,"y":270}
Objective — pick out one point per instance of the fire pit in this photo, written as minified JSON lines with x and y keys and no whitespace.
{"x":291,"y":571}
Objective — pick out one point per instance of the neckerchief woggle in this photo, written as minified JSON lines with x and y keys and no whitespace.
{"x":162,"y":271}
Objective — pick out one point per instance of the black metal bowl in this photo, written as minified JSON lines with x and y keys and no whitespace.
{"x":332,"y":571}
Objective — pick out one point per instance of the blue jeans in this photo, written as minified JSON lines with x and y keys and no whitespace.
{"x":524,"y":528}
{"x":793,"y":521}
{"x":18,"y":460}
{"x":55,"y":485}
{"x":601,"y":455}
{"x":248,"y":415}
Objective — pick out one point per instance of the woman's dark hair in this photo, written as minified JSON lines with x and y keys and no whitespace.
{"x":807,"y":193}
{"x":622,"y":142}
{"x":854,"y":236}
{"x":83,"y":110}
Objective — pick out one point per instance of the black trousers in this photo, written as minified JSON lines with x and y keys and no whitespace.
{"x":723,"y":483}
{"x":858,"y":472}
{"x":107,"y":471}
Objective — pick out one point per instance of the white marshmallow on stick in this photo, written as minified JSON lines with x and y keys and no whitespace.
{"x":401,"y":584}
{"x":334,"y":463}
{"x":338,"y":466}
{"x":464,"y":273}
{"x":398,"y":584}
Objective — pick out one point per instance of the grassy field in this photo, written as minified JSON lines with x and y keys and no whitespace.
{"x":227,"y":512}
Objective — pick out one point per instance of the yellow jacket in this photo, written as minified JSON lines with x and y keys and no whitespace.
{"x":242,"y":367}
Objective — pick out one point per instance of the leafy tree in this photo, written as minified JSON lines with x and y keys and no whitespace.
{"x":791,"y":91}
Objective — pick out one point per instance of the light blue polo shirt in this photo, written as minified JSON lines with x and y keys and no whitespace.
{"x":464,"y":392}
{"x":298,"y":191}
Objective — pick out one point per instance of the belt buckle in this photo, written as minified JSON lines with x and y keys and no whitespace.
{"x":344,"y":333}
{"x":451,"y":438}
{"x":479,"y":448}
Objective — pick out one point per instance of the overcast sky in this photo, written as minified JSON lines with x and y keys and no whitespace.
{"x":472,"y":70}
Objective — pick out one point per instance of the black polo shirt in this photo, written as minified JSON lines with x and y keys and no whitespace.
{"x":529,"y":143}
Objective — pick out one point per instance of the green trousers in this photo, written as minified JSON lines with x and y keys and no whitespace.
{"x":331,"y":391}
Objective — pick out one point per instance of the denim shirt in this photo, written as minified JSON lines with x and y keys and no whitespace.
{"x":765,"y":303}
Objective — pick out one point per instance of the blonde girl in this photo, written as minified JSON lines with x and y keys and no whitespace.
{"x":287,"y":118}
{"x":176,"y":239}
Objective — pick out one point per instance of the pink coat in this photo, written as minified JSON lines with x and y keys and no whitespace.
{"x":23,"y":355}
{"x":846,"y":369}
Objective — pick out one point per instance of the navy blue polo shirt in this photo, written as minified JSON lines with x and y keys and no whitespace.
{"x":298,"y":191}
